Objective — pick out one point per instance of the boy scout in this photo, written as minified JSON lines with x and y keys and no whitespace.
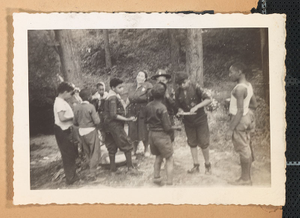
{"x":114,"y":119}
{"x":191,"y":98}
{"x":158,"y":120}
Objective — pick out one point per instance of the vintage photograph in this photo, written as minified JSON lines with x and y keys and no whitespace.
{"x":142,"y":109}
{"x":149,"y":108}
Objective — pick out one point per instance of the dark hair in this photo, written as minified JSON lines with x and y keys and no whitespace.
{"x":180,"y":77}
{"x":65,"y":86}
{"x":145,"y":73}
{"x":85,"y":94}
{"x":99,"y":84}
{"x":239,"y":66}
{"x":243,"y":68}
{"x":114,"y":82}
{"x":159,"y":90}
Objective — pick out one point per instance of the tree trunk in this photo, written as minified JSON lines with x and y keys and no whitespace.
{"x":174,"y":54}
{"x":70,"y":62}
{"x":107,"y":51}
{"x":265,"y":61}
{"x":194,"y":55}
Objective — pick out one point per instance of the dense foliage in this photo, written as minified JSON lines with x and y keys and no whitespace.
{"x":131,"y":50}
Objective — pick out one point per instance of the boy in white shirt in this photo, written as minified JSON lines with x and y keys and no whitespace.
{"x":63,"y":117}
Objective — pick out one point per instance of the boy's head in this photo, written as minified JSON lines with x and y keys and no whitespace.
{"x":159,"y":90}
{"x":236,"y":71}
{"x":85,"y":94}
{"x":182,"y":79}
{"x":116,"y":85}
{"x":100,"y":88}
{"x":66,"y":89}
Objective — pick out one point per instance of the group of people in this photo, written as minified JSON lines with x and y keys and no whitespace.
{"x":149,"y":111}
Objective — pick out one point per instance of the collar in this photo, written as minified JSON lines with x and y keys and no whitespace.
{"x":85,"y":102}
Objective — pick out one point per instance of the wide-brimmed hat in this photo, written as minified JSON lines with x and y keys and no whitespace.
{"x":161,"y":73}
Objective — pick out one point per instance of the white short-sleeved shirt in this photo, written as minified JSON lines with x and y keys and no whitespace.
{"x":61,"y":105}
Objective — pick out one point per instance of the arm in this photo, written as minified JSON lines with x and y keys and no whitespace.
{"x":253,"y":103}
{"x":206,"y":99}
{"x":166,"y":123}
{"x":94,"y":115}
{"x":113,"y":111}
{"x":62,"y":118}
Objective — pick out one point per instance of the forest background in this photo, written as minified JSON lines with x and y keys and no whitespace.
{"x":85,"y":57}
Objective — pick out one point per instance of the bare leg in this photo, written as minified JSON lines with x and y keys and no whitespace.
{"x":157,"y":166}
{"x":169,"y":163}
{"x":194,"y":152}
{"x":135,"y":146}
{"x":205,"y":153}
{"x":146,"y":148}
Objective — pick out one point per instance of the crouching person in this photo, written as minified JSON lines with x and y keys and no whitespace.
{"x":86,"y":117}
{"x":114,"y":120}
{"x":160,"y":131}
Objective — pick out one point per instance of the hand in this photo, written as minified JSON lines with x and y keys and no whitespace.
{"x":228,"y":135}
{"x":194,"y":109}
{"x":133,"y":119}
{"x":180,"y":111}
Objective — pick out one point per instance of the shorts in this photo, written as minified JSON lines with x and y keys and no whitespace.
{"x":198,"y":135}
{"x":160,"y":144}
{"x":241,"y":136}
{"x":116,"y":138}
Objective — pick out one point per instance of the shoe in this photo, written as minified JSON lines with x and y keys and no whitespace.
{"x":208,"y":169}
{"x":116,"y":172}
{"x":195,"y":169}
{"x":242,"y":182}
{"x":134,"y":172}
{"x":157,"y":181}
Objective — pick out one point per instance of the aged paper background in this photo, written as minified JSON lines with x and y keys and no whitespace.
{"x":6,"y":56}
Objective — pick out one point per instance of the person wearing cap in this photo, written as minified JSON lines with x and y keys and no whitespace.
{"x":191,"y":98}
{"x":138,"y":97}
{"x":160,"y":128}
{"x":163,"y":77}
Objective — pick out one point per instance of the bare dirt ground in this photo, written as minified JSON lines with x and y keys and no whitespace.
{"x":46,"y":170}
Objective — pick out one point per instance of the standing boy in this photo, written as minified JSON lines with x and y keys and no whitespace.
{"x":168,"y":101}
{"x":160,"y":128}
{"x":63,"y":119}
{"x":86,"y":117}
{"x":191,"y":98}
{"x":242,"y":120}
{"x":114,"y":119}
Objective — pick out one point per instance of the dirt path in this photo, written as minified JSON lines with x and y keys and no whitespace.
{"x":47,"y":173}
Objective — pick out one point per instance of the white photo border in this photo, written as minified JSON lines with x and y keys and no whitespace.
{"x":273,"y":195}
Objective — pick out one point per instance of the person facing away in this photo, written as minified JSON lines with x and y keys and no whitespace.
{"x":242,"y":122}
{"x":86,"y":118}
{"x":160,"y":128}
{"x":63,"y":119}
{"x":114,"y":120}
{"x":163,"y":77}
{"x":138,"y":98}
{"x":191,"y":98}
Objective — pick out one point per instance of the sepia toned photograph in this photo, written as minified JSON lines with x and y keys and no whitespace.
{"x":144,"y":109}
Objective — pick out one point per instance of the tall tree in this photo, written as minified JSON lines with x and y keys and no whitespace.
{"x":174,"y":52}
{"x":69,"y":56}
{"x":194,"y":55}
{"x":265,"y":61}
{"x":107,"y":51}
